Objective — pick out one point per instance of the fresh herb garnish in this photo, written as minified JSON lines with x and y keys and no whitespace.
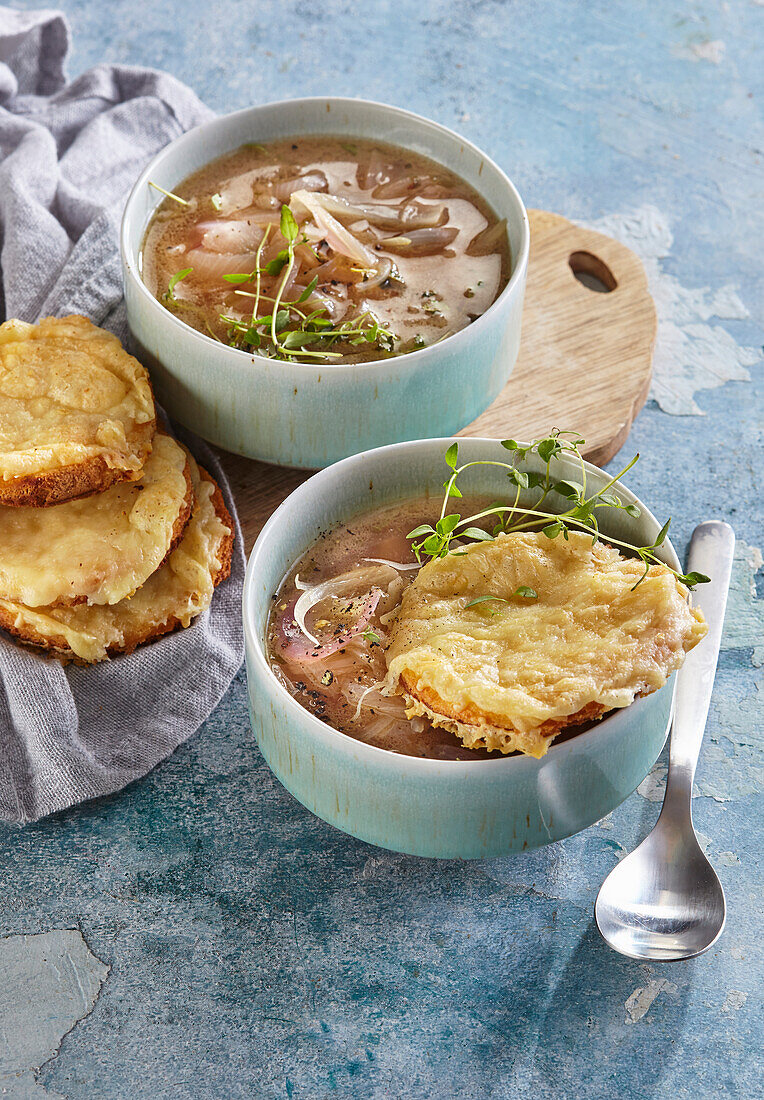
{"x":287,"y":330}
{"x":169,"y":194}
{"x":178,"y":277}
{"x":216,"y":200}
{"x":524,"y":591}
{"x":371,"y":637}
{"x":435,"y":541}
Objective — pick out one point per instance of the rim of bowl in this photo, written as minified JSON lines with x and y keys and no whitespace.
{"x":336,"y":738}
{"x":130,"y":263}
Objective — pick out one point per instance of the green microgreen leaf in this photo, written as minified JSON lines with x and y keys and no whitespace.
{"x":308,"y":290}
{"x":693,"y":578}
{"x":277,"y":264}
{"x":238,"y":277}
{"x":568,"y":489}
{"x":433,"y":543}
{"x":662,"y":533}
{"x":371,"y":637}
{"x":452,"y":454}
{"x":526,"y":592}
{"x":423,"y":529}
{"x":446,"y":525}
{"x":288,"y":224}
{"x":476,"y":533}
{"x":178,"y":277}
{"x":548,"y":449}
{"x":298,"y":339}
{"x":485,"y":599}
{"x":552,"y":530}
{"x":518,"y":477}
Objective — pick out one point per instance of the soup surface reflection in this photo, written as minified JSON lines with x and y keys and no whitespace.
{"x":329,"y":625}
{"x":381,"y":251}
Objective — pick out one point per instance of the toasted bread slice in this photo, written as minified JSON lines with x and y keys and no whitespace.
{"x":102,"y":548}
{"x":76,"y":412}
{"x":508,"y":671}
{"x":171,"y":597}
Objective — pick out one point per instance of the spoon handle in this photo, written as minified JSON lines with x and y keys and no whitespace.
{"x":711,"y":552}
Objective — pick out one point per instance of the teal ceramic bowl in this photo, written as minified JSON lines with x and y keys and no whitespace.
{"x":448,"y":809}
{"x":312,"y":415}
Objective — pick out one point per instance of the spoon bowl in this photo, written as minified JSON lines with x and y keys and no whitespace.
{"x":663,"y":902}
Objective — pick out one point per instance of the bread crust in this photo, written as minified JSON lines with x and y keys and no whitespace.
{"x":81,"y":479}
{"x":56,"y":645}
{"x":486,"y":731}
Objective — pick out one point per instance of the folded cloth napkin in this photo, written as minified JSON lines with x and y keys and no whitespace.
{"x":69,"y":154}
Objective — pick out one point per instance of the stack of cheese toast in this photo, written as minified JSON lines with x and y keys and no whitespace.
{"x":110,"y":534}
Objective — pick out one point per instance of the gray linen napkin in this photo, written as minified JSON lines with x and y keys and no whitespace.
{"x":69,"y":154}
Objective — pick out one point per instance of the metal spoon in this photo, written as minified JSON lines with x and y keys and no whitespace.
{"x":664,"y":901}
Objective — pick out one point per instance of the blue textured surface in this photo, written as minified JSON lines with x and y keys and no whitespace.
{"x":256,"y":952}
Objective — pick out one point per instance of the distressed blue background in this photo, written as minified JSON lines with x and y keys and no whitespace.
{"x":255,"y":952}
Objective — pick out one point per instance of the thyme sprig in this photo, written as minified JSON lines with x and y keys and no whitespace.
{"x":286,"y":330}
{"x":436,"y":541}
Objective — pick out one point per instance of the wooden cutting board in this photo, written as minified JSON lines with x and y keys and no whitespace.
{"x":585,"y":359}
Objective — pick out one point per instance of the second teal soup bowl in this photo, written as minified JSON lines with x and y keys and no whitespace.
{"x":308,"y":415}
{"x":466,"y":809}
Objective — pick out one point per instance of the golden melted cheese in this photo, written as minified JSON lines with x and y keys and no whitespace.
{"x":174,"y":595}
{"x":69,"y":392}
{"x":510,"y":674}
{"x":100,"y":548}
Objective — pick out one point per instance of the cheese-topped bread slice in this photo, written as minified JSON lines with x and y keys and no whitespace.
{"x":510,"y":672}
{"x":76,"y":411}
{"x":171,"y":597}
{"x":102,"y":548}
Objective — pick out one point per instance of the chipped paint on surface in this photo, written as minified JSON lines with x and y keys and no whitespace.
{"x":653,"y":786}
{"x":703,"y":49}
{"x":732,"y":762}
{"x":744,"y":621}
{"x":734,"y":1000}
{"x":640,"y":1001}
{"x":690,"y":354}
{"x":729,"y":859}
{"x":49,"y":982}
{"x":704,"y":842}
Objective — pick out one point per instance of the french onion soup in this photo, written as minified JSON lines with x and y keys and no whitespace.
{"x":492,"y":629}
{"x":326,"y":250}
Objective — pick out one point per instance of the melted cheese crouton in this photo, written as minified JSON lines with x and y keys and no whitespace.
{"x":510,"y":672}
{"x":102,"y":548}
{"x":76,"y":411}
{"x":171,"y":597}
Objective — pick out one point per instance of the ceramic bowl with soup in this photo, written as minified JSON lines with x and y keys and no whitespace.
{"x":319,"y":634}
{"x":311,"y":278}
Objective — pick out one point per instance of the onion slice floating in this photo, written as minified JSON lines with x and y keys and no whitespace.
{"x":336,"y":235}
{"x":402,"y":567}
{"x":364,"y":584}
